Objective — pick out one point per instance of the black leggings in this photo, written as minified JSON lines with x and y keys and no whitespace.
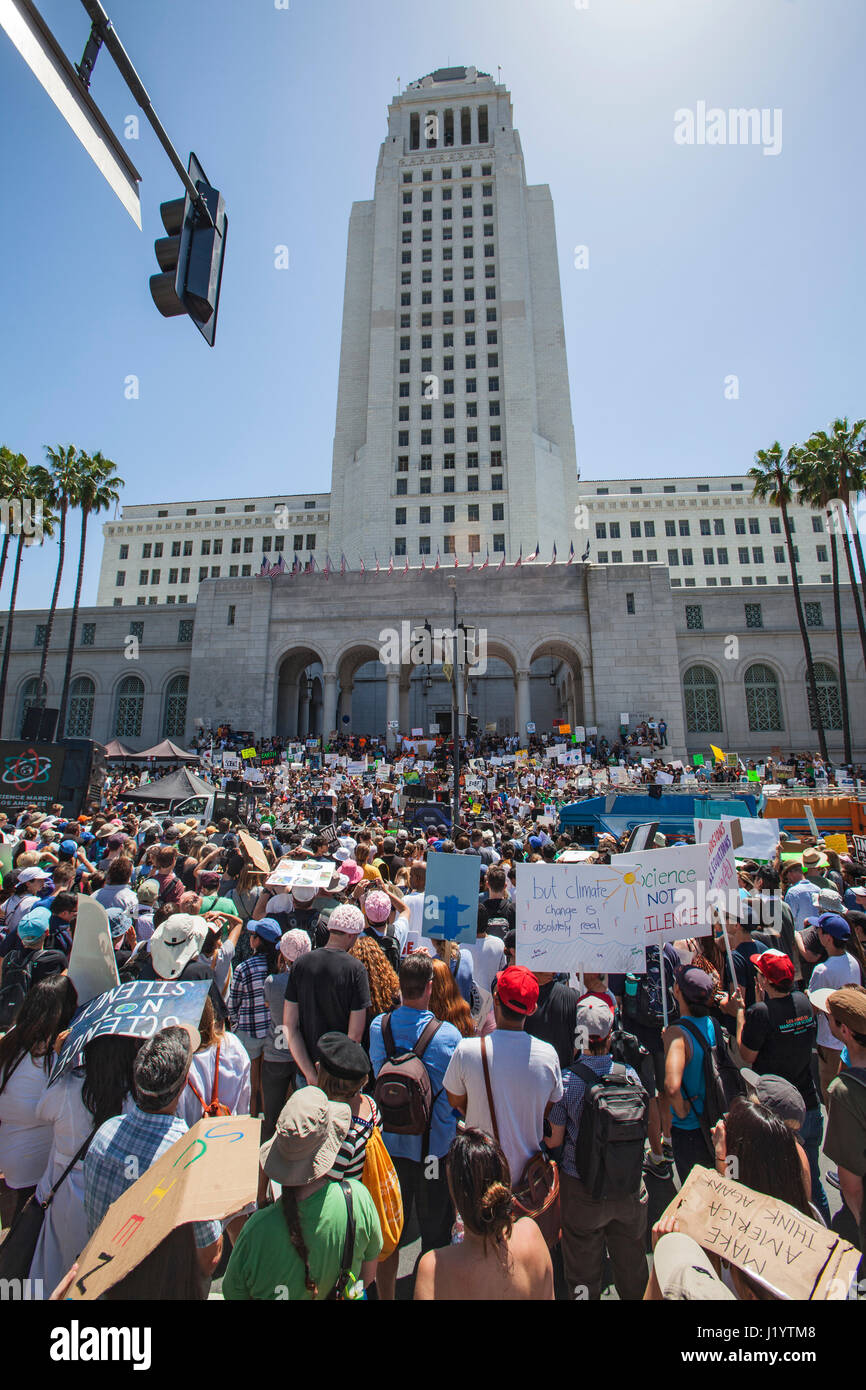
{"x":277,"y":1079}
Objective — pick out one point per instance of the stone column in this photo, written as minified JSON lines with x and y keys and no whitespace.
{"x":346,"y":707}
{"x":589,"y":713}
{"x":392,"y":704}
{"x":404,"y":709}
{"x":329,"y":721}
{"x":303,"y":711}
{"x":287,"y":709}
{"x":522,"y":706}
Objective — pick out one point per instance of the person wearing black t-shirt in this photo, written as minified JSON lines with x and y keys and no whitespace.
{"x":555,"y":1017}
{"x":496,"y":905}
{"x":744,"y":946}
{"x":776,"y":1036}
{"x":328,"y":991}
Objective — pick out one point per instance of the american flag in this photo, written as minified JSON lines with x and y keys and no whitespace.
{"x":553,"y":557}
{"x":486,"y":559}
{"x":571,"y":553}
{"x":343,"y":563}
{"x":519,"y":561}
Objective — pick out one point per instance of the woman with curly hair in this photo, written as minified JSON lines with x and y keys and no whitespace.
{"x":498,"y":1258}
{"x":447,"y":1003}
{"x":384,"y":983}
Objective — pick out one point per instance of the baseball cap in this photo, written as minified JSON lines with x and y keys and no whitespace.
{"x":32,"y":875}
{"x":684,"y":1271}
{"x":148,"y":892}
{"x":517,"y":989}
{"x":832,"y":924}
{"x":68,"y":847}
{"x":779,"y":1096}
{"x":34,"y":925}
{"x":267,"y":929}
{"x":697,"y":986}
{"x":775,"y":966}
{"x":595,"y":1016}
{"x":848,"y":1006}
{"x":377,"y":907}
{"x":304,"y":893}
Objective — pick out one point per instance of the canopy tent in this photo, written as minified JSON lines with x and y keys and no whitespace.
{"x":116,"y":749}
{"x":174,"y":787}
{"x":167,"y":751}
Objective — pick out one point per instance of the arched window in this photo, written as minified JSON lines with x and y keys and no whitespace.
{"x":829,"y":702}
{"x":28,"y":698}
{"x":174,"y":723}
{"x":701,"y":697}
{"x":130,"y":707}
{"x":763,"y":705}
{"x":79,"y":716}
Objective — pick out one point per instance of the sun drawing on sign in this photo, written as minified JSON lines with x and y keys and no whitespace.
{"x":626,"y":880}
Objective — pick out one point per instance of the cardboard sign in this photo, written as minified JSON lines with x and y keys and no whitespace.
{"x":451,"y":896}
{"x":837,"y":842}
{"x":210,"y":1173}
{"x":759,"y":837}
{"x":570,"y":918}
{"x":137,"y":1009}
{"x":859,"y":846}
{"x":92,"y":962}
{"x":774,"y":1244}
{"x":671,"y":886}
{"x":253,"y":851}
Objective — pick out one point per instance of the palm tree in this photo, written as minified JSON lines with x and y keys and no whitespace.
{"x":24,"y":484}
{"x":58,"y":487}
{"x":817,"y":481}
{"x":98,"y":488}
{"x":13,"y":467}
{"x":771,"y":477}
{"x":841,"y":451}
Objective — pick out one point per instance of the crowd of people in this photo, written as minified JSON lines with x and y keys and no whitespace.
{"x":529,"y":1128}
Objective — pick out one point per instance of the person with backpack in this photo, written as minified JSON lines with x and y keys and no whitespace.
{"x":690,"y":1046}
{"x":390,"y":936}
{"x":643,"y":1016}
{"x":28,"y":943}
{"x":410,"y":1052}
{"x":218,"y":1082}
{"x":601,"y":1122}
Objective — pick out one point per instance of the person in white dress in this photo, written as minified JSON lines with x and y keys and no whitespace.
{"x":203,"y":1088}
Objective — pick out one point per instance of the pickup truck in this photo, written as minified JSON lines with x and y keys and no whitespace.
{"x":237,"y":807}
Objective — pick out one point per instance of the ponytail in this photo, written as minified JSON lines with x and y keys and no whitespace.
{"x":289,"y":1201}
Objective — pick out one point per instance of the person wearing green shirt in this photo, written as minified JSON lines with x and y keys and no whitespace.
{"x":293,"y":1249}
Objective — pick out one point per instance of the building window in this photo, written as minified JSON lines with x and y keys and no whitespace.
{"x":775,"y":526}
{"x":79,"y":717}
{"x":498,"y":544}
{"x":779,"y":554}
{"x":424,"y":485}
{"x":124,"y":553}
{"x":120,"y":579}
{"x":817,"y":523}
{"x":695,"y":617}
{"x":184,"y":630}
{"x":670,"y":528}
{"x":673,"y":557}
{"x":230,"y":616}
{"x":174,"y":722}
{"x":629,"y":603}
{"x":497,"y":512}
{"x":136,"y":629}
{"x":130,"y":706}
{"x":722,"y":554}
{"x":740,"y":525}
{"x":701,"y":698}
{"x":718,"y":527}
{"x":496,"y":482}
{"x":400,"y":516}
{"x":147,"y":551}
{"x":88,"y":634}
{"x":814,"y":614}
{"x":400,"y":545}
{"x":754,"y":615}
{"x":821,"y":554}
{"x":423,"y":545}
{"x":649,"y":528}
{"x":763,"y":705}
{"x":448,"y":514}
{"x":754,"y":526}
{"x":603,"y":557}
{"x":448,"y":485}
{"x":829,"y":702}
{"x":684,"y":528}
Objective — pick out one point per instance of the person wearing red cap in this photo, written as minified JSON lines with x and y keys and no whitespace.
{"x":524,"y":1073}
{"x":776,"y":1036}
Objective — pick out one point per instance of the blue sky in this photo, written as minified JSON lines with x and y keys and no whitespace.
{"x":704,"y":261}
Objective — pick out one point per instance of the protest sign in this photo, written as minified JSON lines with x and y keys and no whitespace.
{"x":231,"y":762}
{"x":759,"y":837}
{"x":839,"y":843}
{"x":417,"y":733}
{"x":248,"y":752}
{"x":5,"y":860}
{"x":301,"y":873}
{"x":210,"y":1172}
{"x":451,"y":896}
{"x":92,"y":962}
{"x":579,"y":734}
{"x":860,"y":847}
{"x":664,"y":779}
{"x":784,"y":1251}
{"x":253,"y":851}
{"x":578,"y":916}
{"x":137,"y":1009}
{"x":698,"y":759}
{"x":810,"y":817}
{"x":356,"y":768}
{"x":671,"y":885}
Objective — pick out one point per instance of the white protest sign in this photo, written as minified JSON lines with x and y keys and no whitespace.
{"x":302,"y":873}
{"x":810,"y":817}
{"x":92,"y":962}
{"x":577,"y":917}
{"x":671,"y":885}
{"x":760,"y":837}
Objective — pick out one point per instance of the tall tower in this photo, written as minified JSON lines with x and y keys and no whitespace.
{"x":454,"y":429}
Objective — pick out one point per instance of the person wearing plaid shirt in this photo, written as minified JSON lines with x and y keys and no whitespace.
{"x":249,"y":1011}
{"x":125,"y":1146}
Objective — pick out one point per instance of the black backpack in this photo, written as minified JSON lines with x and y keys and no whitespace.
{"x":722,"y":1079}
{"x":642,"y":997}
{"x":614,"y":1121}
{"x":17,"y":973}
{"x":387,"y":944}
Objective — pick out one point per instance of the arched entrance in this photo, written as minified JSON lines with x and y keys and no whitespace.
{"x":299,"y":698}
{"x":553,"y":687}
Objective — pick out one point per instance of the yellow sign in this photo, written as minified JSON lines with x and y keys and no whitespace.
{"x":476,"y":808}
{"x":837,"y":842}
{"x":248,"y":752}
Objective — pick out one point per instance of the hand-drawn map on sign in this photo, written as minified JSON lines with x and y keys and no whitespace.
{"x":776,"y":1245}
{"x":134,"y":1010}
{"x":210,"y":1173}
{"x":579,"y":917}
{"x":451,"y":896}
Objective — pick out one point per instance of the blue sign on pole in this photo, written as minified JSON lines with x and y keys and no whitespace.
{"x":451,"y":896}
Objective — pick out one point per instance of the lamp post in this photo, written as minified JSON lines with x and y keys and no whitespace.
{"x":455,"y":718}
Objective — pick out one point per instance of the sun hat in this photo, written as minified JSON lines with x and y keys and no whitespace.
{"x":348,"y":919}
{"x":293,"y":944}
{"x":119,"y":922}
{"x":307,"y":1138}
{"x":377,"y":906}
{"x":176,"y":942}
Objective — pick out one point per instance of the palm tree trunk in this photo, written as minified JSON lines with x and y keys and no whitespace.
{"x":73,"y":629}
{"x":840,"y":648}
{"x":804,"y":636}
{"x":861,"y":563}
{"x":855,"y":592}
{"x":7,"y":646}
{"x":3,"y":553}
{"x":41,"y":694}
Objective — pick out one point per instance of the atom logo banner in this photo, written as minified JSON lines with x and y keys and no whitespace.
{"x":30,"y":773}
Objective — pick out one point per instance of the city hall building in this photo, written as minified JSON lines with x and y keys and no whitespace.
{"x":455,"y":499}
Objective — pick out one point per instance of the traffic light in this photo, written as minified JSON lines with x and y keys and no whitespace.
{"x":191,"y":256}
{"x":471,"y":726}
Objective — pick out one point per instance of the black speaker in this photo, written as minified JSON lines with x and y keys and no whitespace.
{"x":39,"y":724}
{"x":84,"y":772}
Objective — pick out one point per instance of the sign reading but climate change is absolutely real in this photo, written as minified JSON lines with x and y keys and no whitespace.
{"x":602,"y":917}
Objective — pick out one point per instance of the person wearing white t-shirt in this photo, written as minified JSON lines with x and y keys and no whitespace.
{"x":524,"y":1073}
{"x":838,"y":970}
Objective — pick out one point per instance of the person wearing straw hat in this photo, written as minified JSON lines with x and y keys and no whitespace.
{"x":295,"y":1248}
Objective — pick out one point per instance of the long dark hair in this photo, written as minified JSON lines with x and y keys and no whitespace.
{"x":480,"y":1182}
{"x":268,"y":949}
{"x":169,"y":1272}
{"x":766,"y":1152}
{"x":108,"y":1075}
{"x":292,"y":1214}
{"x":48,"y":1008}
